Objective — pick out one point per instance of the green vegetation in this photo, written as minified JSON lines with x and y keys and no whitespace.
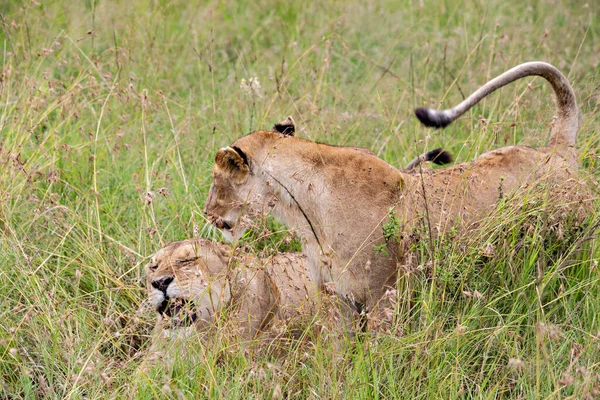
{"x":111,"y":113}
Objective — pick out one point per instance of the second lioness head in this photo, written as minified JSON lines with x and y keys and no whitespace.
{"x":187,"y":283}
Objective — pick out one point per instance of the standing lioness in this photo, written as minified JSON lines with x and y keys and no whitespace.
{"x":339,"y":200}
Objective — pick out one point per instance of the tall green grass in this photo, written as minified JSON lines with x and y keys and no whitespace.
{"x":110,"y":116}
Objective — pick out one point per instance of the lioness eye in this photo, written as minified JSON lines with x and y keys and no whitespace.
{"x":187,"y":260}
{"x":153,"y":267}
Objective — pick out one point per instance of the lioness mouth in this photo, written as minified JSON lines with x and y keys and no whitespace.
{"x":179,"y":311}
{"x":222,"y":224}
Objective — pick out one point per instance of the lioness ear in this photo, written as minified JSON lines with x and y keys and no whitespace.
{"x":233,"y":162}
{"x":286,"y":127}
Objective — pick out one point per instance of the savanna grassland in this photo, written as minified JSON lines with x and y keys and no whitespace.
{"x":111,"y":113}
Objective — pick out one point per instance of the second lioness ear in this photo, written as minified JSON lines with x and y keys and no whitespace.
{"x":232,"y":162}
{"x":286,"y":127}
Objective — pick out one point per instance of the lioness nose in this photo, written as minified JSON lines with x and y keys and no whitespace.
{"x":162,"y":283}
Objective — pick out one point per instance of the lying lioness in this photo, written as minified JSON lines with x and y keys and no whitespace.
{"x":340,"y":201}
{"x":197,"y":281}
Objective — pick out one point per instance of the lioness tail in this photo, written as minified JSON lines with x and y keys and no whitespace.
{"x":438,"y":156}
{"x":565,"y":127}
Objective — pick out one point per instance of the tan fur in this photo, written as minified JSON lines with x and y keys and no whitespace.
{"x":338,"y":199}
{"x":254,"y":292}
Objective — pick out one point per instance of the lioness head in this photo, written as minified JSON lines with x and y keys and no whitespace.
{"x":235,"y":186}
{"x":187,"y":283}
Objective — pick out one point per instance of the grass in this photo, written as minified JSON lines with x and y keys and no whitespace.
{"x":110,"y":116}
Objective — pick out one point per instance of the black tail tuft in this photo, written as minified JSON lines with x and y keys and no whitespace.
{"x":439,"y":156}
{"x":284,"y":129}
{"x":432,"y":118}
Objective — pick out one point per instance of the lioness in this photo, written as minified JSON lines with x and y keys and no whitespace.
{"x":339,"y":199}
{"x":194,"y":281}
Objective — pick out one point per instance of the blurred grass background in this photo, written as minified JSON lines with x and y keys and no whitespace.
{"x":111,"y":113}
